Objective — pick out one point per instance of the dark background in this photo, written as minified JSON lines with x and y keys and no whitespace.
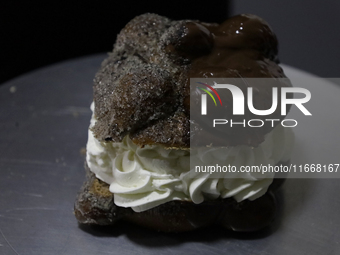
{"x":39,"y":33}
{"x":308,"y":31}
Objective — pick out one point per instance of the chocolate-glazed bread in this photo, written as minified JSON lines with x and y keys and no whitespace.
{"x":142,"y":91}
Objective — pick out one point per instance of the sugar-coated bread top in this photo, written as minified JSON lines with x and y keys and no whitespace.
{"x":142,"y":89}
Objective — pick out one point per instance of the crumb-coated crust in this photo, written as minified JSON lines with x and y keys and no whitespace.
{"x":137,"y":91}
{"x":95,"y":206}
{"x":142,"y":88}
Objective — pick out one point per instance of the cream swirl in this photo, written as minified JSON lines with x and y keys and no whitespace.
{"x":142,"y":178}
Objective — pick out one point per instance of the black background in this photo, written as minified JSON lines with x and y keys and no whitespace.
{"x":38,"y":33}
{"x":308,"y":31}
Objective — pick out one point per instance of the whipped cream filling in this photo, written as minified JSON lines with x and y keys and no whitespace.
{"x":143,"y":178}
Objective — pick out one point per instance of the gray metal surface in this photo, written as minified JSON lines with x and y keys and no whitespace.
{"x":44,"y":117}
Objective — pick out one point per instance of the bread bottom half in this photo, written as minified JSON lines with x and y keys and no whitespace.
{"x":95,"y":205}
